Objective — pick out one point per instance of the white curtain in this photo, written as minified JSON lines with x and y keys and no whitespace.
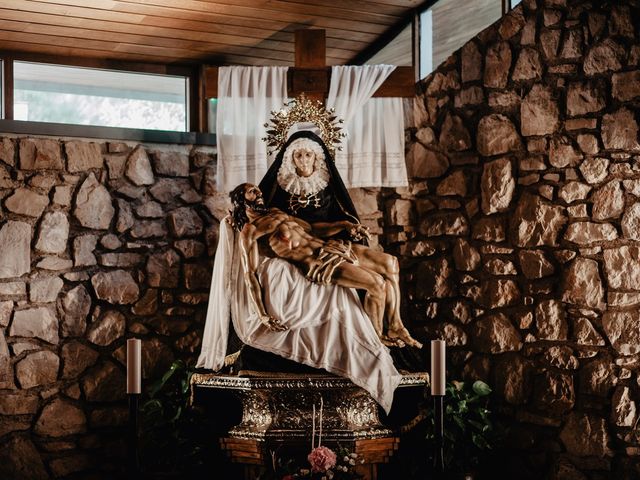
{"x":246,"y":97}
{"x":373,"y":152}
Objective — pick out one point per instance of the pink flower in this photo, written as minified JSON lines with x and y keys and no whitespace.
{"x":321,"y":459}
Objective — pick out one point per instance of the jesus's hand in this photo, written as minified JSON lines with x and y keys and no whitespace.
{"x":272,"y":323}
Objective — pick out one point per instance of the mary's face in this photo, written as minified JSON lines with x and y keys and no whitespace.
{"x":304,"y":160}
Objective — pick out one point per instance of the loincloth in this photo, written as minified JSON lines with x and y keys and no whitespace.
{"x":330,"y":256}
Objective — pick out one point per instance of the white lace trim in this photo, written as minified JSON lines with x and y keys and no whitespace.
{"x":294,"y":184}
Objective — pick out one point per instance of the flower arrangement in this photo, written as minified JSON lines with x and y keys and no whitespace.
{"x":324,"y":463}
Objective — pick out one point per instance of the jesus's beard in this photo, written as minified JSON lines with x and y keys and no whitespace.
{"x":257,"y":207}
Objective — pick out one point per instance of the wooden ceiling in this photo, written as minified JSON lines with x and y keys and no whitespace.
{"x":220,"y":32}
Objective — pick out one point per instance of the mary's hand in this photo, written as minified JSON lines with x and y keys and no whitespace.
{"x":273,"y":324}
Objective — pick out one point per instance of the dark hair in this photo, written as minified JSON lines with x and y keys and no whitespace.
{"x":239,"y":202}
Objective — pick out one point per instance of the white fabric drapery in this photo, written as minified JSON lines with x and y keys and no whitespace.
{"x":327,"y":327}
{"x":373,"y":152}
{"x":246,"y":98}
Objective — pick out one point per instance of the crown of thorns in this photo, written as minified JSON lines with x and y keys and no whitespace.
{"x":303,"y":110}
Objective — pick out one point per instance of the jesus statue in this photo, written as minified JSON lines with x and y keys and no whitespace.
{"x":273,"y":233}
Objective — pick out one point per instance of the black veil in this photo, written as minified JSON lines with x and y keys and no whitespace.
{"x":335,"y":202}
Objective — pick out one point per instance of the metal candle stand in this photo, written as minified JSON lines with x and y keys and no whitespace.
{"x":134,"y":389}
{"x":438,"y":390}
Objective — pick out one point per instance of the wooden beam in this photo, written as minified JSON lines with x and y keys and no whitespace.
{"x":210,"y":81}
{"x":400,"y":83}
{"x":203,"y":102}
{"x":310,"y":48}
{"x":7,"y":88}
{"x":312,"y":81}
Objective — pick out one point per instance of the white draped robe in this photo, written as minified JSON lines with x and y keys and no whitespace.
{"x":327,"y":327}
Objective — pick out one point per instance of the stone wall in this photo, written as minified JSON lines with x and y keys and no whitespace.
{"x":98,"y":241}
{"x":521,"y":229}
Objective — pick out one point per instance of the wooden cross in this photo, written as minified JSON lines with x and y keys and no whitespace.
{"x":312,"y":76}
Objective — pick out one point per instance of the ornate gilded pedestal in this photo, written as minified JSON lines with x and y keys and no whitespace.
{"x":277,"y":412}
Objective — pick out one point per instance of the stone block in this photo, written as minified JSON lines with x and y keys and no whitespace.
{"x":539,"y":112}
{"x":39,"y":368}
{"x":83,"y":156}
{"x":138,"y":167}
{"x":497,"y":186}
{"x":53,"y":233}
{"x":15,"y":249}
{"x":59,"y":419}
{"x":117,"y":287}
{"x":173,"y":164}
{"x":40,"y":154}
{"x":497,"y":135}
{"x":26,"y":202}
{"x":39,"y":322}
{"x":75,"y":307}
{"x":94,"y":207}
{"x":496,"y":334}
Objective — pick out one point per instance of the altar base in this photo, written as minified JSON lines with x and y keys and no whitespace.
{"x":277,"y":418}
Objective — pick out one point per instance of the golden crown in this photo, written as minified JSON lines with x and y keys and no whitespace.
{"x":303,"y":110}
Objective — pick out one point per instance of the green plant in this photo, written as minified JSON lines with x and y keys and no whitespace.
{"x":469,"y":431}
{"x":171,"y":430}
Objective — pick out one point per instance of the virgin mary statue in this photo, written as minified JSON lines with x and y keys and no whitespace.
{"x":327,"y":327}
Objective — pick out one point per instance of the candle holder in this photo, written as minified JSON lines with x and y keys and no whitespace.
{"x":438,"y":390}
{"x":134,"y":389}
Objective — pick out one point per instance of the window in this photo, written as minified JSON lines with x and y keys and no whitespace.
{"x":443,"y":30}
{"x":89,"y":96}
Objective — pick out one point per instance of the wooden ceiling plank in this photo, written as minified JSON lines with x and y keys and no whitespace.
{"x":337,"y":57}
{"x":357,"y":6}
{"x":201,"y":21}
{"x":158,"y":41}
{"x":63,"y":51}
{"x":146,"y":29}
{"x":216,"y":30}
{"x":133,"y":51}
{"x":149,"y":31}
{"x":92,"y":44}
{"x":47,"y":20}
{"x":51,"y":6}
{"x":249,"y":7}
{"x":247,"y":26}
{"x":259,"y":28}
{"x":184,"y":25}
{"x":282,"y":15}
{"x":15,"y":26}
{"x":405,"y":4}
{"x":316,"y":22}
{"x":122,"y":18}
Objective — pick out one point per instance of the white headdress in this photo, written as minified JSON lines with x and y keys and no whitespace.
{"x":297,"y":185}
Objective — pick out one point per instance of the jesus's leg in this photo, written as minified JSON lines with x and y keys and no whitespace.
{"x":387,"y":266}
{"x":354,"y":276}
